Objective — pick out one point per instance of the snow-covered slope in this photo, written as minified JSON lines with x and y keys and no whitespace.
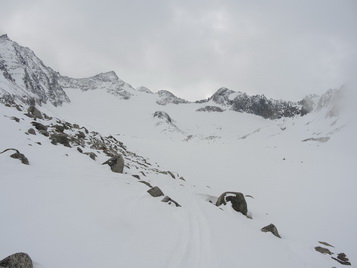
{"x":67,"y":209}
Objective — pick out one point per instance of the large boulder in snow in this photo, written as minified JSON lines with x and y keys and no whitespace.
{"x":237,"y":200}
{"x":34,"y":112}
{"x":17,"y":260}
{"x":116,"y":163}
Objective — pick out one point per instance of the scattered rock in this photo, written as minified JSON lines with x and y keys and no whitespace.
{"x":61,"y":138}
{"x":34,"y":112}
{"x":91,"y":155}
{"x":210,"y":109}
{"x":15,"y":118}
{"x":17,"y":155}
{"x":79,"y":150}
{"x":146,"y":183}
{"x":323,"y":250}
{"x":59,"y":128}
{"x":44,"y":132}
{"x":342,"y":258}
{"x":80,"y":135}
{"x":171,"y":174}
{"x":271,"y":228}
{"x":136,"y":176}
{"x":237,"y":200}
{"x":17,"y":260}
{"x":75,"y":126}
{"x":31,"y":131}
{"x":322,"y":139}
{"x":155,"y":192}
{"x":170,"y":201}
{"x":39,"y":126}
{"x":116,"y":163}
{"x":325,"y":244}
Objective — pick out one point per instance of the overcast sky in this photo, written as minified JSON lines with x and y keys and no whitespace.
{"x":283,"y":49}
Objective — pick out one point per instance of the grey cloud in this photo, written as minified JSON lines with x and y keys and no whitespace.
{"x":283,"y":49}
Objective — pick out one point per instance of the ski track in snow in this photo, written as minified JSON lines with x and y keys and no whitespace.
{"x":193,"y":247}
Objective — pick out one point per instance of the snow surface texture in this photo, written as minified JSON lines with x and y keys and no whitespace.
{"x":67,"y":210}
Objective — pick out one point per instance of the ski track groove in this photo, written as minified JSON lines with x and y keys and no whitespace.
{"x":193,"y":247}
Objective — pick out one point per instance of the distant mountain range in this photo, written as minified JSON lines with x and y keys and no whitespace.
{"x":23,"y":76}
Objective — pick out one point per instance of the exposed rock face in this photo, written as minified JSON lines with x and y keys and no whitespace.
{"x":144,"y":89}
{"x":163,"y":115}
{"x":155,"y":192}
{"x":210,"y":109}
{"x":105,"y":81}
{"x":258,"y":104}
{"x":167,"y":97}
{"x":116,"y":163}
{"x":237,"y":200}
{"x":26,"y":75}
{"x":17,"y":260}
{"x":271,"y":228}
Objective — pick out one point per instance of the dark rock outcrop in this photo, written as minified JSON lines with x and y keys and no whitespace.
{"x":342,"y":258}
{"x":162,"y":115}
{"x":237,"y":200}
{"x":167,"y":97}
{"x":210,"y":109}
{"x":257,"y":104}
{"x":116,"y":163}
{"x":271,"y":228}
{"x":17,"y":260}
{"x":323,"y":250}
{"x":17,"y":155}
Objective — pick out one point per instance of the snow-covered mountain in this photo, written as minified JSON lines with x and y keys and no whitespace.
{"x":24,"y":76}
{"x":259,"y":104}
{"x":187,"y":169}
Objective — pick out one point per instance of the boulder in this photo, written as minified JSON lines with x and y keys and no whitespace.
{"x":116,"y":163}
{"x":34,"y":112}
{"x":271,"y":228}
{"x":155,"y":192}
{"x":31,"y":131}
{"x":237,"y":200}
{"x":17,"y":260}
{"x":323,"y":250}
{"x":170,"y":201}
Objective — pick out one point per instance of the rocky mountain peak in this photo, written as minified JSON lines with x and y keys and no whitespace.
{"x":4,"y":36}
{"x":256,"y":104}
{"x":26,"y":77}
{"x":167,"y":97}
